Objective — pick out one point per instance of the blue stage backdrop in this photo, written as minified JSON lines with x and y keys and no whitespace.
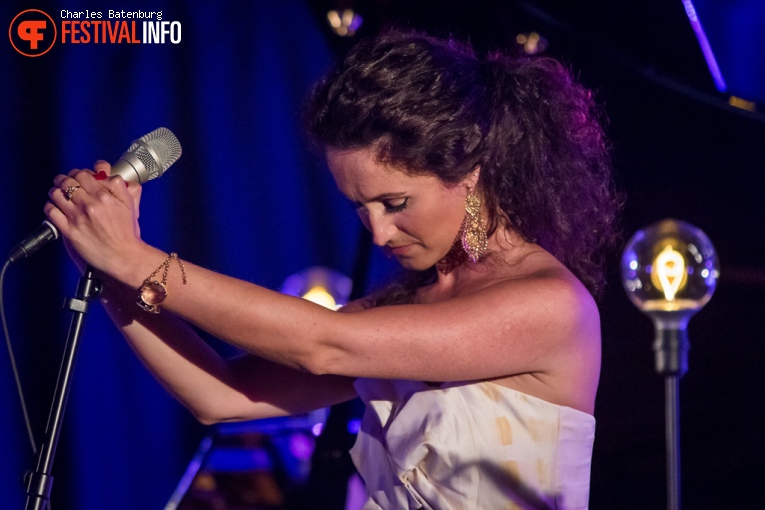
{"x":247,"y":198}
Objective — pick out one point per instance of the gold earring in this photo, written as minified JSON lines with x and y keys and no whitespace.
{"x":474,"y":240}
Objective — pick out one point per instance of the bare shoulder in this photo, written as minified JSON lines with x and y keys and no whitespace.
{"x":556,"y":300}
{"x":543,"y":284}
{"x":530,"y":325}
{"x":568,"y":326}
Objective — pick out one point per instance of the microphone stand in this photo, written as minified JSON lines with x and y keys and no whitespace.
{"x":40,"y":480}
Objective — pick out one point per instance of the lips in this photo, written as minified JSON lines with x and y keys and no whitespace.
{"x":400,"y":250}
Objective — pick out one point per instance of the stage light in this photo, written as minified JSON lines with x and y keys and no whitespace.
{"x":742,"y":103}
{"x":670,"y":272}
{"x":320,"y":285}
{"x":531,"y":43}
{"x":706,"y":48}
{"x":345,"y":23}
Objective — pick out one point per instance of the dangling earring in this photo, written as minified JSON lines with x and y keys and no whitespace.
{"x":473,"y":236}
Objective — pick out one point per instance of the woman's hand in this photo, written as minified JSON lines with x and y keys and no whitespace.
{"x":99,"y":219}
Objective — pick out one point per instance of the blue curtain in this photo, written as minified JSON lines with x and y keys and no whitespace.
{"x":246,"y":199}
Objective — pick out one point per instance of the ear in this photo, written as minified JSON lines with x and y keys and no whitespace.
{"x":471,"y":180}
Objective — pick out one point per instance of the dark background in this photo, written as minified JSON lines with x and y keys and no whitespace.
{"x":247,"y":199}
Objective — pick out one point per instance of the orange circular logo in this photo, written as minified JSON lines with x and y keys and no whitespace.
{"x":32,"y":33}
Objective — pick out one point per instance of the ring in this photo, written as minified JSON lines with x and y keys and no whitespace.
{"x":69,"y":192}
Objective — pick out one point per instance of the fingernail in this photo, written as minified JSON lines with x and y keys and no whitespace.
{"x":127,"y":184}
{"x":100,"y":176}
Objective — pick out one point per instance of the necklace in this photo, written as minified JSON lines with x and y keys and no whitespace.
{"x":454,"y":258}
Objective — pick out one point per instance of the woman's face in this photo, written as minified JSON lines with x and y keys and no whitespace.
{"x":415,"y":217}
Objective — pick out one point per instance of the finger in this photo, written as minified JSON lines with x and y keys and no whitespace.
{"x":86,"y":179}
{"x":134,"y":188}
{"x":78,"y":182}
{"x":66,"y":185}
{"x":103,"y":169}
{"x":117,"y":186}
{"x":81,"y":179}
{"x":61,"y":179}
{"x":75,"y":177}
{"x":63,"y":198}
{"x":57,"y":217}
{"x":102,"y":166}
{"x":74,"y":172}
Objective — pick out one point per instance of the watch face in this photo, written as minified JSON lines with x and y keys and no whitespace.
{"x":153,"y":293}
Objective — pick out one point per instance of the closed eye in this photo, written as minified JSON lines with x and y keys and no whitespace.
{"x":394,"y":206}
{"x":390,"y":205}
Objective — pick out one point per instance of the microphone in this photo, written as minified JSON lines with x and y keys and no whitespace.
{"x":147,"y":158}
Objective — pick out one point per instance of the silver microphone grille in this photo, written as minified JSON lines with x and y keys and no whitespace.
{"x":157,"y":151}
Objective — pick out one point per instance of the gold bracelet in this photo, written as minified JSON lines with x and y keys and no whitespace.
{"x":152,"y":293}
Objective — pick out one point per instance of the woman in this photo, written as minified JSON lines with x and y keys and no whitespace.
{"x":489,"y":181}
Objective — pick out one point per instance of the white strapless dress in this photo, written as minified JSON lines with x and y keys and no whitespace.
{"x":470,"y":446}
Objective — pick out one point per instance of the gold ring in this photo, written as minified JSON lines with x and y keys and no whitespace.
{"x":69,"y":192}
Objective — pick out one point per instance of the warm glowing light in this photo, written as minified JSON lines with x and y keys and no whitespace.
{"x":742,"y":103}
{"x":319,"y":285}
{"x":345,"y":24}
{"x":532,"y":43}
{"x":670,"y":271}
{"x":670,"y":266}
{"x":320,"y":296}
{"x":347,"y":17}
{"x":334,"y":19}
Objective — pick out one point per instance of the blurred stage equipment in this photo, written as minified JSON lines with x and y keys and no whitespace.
{"x":263,"y":464}
{"x":731,"y":36}
{"x":669,"y":271}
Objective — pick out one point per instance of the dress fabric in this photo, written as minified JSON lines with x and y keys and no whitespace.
{"x":475,"y":445}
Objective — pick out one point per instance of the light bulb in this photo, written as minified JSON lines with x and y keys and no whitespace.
{"x":669,"y":266}
{"x":670,"y":271}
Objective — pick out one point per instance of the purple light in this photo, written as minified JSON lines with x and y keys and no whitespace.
{"x":301,"y":446}
{"x":317,"y":428}
{"x":706,"y":49}
{"x":354,"y":426}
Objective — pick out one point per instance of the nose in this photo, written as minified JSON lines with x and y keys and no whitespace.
{"x":382,"y":228}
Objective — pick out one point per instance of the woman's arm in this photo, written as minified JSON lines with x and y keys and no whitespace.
{"x":215,"y":389}
{"x":523,"y":325}
{"x":517,"y":326}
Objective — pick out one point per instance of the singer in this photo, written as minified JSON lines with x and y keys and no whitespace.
{"x":488,"y":178}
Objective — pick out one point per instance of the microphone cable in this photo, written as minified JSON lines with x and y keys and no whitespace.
{"x":14,"y":368}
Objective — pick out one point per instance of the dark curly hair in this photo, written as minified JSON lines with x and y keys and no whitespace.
{"x":431,"y":106}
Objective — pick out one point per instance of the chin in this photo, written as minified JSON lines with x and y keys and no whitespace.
{"x":415,"y":264}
